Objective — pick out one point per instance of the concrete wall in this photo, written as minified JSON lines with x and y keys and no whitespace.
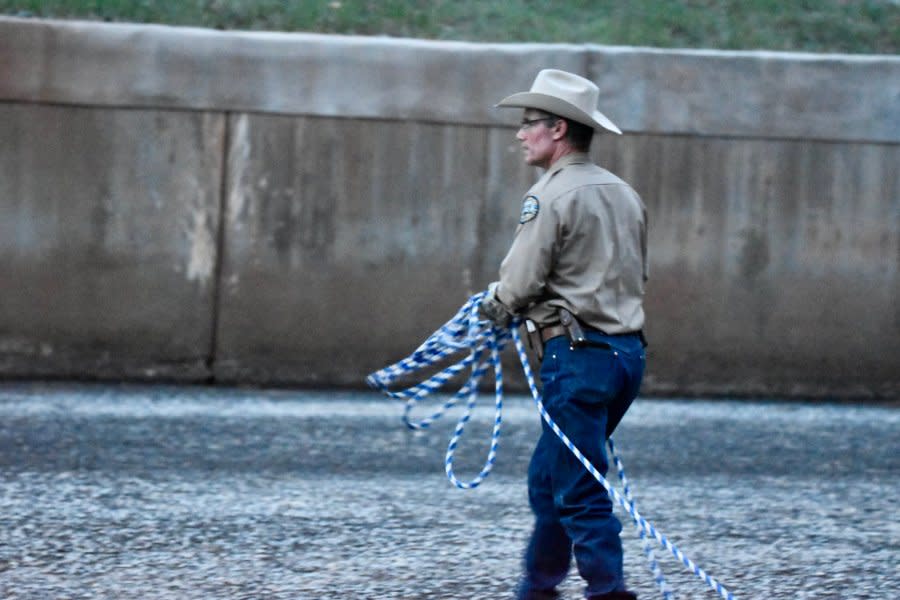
{"x":270,"y":208}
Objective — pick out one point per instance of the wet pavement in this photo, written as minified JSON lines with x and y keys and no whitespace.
{"x":186,"y":492}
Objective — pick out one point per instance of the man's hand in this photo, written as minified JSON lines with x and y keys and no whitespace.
{"x":492,"y":309}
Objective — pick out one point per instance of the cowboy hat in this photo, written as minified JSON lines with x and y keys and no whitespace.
{"x":566,"y":95}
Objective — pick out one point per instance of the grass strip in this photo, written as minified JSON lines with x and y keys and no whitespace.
{"x":848,"y":26}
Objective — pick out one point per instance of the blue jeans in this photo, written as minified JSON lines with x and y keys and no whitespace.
{"x":586,"y":392}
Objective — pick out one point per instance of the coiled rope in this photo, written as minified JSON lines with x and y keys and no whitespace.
{"x":483,"y":342}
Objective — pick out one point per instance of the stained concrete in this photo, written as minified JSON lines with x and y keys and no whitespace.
{"x":774,"y":264}
{"x":691,"y":92}
{"x":297,"y":73}
{"x":108,"y":227}
{"x":346,"y":241}
{"x":302,"y":209}
{"x":756,"y":277}
{"x":751,"y":94}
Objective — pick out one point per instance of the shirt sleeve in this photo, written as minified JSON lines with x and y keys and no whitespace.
{"x":524,"y":271}
{"x":645,"y":256}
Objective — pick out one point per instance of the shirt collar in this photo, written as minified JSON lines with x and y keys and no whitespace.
{"x":574,"y":158}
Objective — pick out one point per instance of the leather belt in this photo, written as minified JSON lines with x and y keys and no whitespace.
{"x":537,"y":337}
{"x":552,"y":331}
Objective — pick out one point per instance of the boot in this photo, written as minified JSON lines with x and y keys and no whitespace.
{"x":615,"y":596}
{"x":542,"y":595}
{"x":538,"y":595}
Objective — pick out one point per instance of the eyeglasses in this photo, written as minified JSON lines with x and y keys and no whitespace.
{"x":528,"y":124}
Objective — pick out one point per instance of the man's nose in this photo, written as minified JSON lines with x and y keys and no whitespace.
{"x":520,"y":135}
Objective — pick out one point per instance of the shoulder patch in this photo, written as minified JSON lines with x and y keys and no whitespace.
{"x":530,"y":209}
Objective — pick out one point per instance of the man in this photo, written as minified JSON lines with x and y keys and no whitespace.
{"x":576,"y":269}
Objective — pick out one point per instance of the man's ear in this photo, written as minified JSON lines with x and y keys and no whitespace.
{"x":560,"y":128}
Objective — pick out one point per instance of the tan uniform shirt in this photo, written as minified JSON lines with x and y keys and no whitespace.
{"x":582,"y":245}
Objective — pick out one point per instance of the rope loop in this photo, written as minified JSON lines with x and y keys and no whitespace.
{"x":482,"y":343}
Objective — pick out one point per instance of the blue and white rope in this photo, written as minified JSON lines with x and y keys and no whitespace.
{"x":628,"y":506}
{"x":648,"y":547}
{"x":465,"y":332}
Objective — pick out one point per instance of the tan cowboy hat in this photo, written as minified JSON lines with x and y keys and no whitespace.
{"x":566,"y":95}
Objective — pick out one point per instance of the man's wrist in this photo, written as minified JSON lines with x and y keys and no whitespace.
{"x":493,"y":309}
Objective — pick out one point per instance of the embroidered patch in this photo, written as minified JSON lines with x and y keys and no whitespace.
{"x":530,"y":209}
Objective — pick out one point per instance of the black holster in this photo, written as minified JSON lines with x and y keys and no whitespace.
{"x":573,"y":328}
{"x":575,"y":333}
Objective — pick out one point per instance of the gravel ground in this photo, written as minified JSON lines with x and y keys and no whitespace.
{"x":187,"y":492}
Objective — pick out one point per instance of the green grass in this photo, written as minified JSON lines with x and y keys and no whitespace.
{"x":851,"y":26}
